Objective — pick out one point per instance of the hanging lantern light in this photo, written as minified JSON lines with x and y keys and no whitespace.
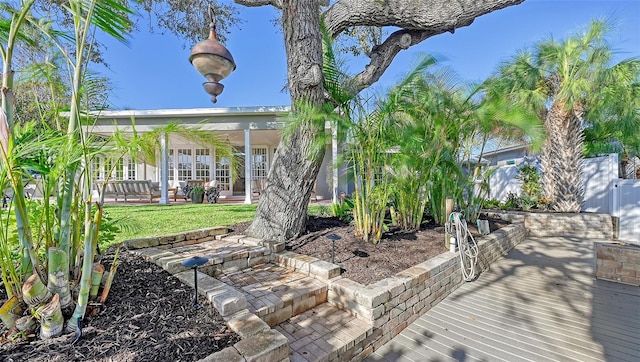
{"x":212,"y":60}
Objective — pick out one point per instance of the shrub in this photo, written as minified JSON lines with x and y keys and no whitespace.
{"x":492,"y":204}
{"x":343,"y":210}
{"x":512,"y":202}
{"x":530,"y":179}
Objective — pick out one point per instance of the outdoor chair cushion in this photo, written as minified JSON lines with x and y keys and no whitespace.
{"x":212,"y":195}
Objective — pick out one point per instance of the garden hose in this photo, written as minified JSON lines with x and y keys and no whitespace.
{"x":468,"y":248}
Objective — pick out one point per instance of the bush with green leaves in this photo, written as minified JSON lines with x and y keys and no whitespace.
{"x":530,"y":179}
{"x":492,"y":204}
{"x":512,"y":202}
{"x":343,"y":210}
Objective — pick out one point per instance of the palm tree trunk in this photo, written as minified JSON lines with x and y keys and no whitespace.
{"x":51,"y":320}
{"x":35,"y":292}
{"x":562,"y":159}
{"x":90,"y":245}
{"x":26,"y":324}
{"x":10,"y":311}
{"x":29,"y":259}
{"x":58,"y":282}
{"x":570,"y":194}
{"x":110,"y":276}
{"x":96,"y":278}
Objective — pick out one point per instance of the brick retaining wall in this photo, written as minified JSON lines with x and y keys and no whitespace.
{"x":618,"y":262}
{"x":393,"y":303}
{"x":580,"y":225}
{"x":178,"y":239}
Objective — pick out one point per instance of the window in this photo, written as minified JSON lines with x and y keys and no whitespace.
{"x":96,"y":169}
{"x":131,"y":169}
{"x":102,"y":168}
{"x":259,"y":164}
{"x":203,"y":164}
{"x":185,"y":164}
{"x":118,"y":170}
{"x":223,"y":173}
{"x":172,"y":171}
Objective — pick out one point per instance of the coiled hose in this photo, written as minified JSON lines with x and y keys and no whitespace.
{"x":468,"y":249}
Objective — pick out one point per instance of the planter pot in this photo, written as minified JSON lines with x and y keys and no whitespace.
{"x":197,"y":199}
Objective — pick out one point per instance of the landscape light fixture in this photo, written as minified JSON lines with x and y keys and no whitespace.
{"x":212,"y":60}
{"x":333,"y":238}
{"x":194,"y":262}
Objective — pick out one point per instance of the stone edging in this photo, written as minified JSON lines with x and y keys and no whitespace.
{"x":177,"y":239}
{"x":580,"y":225}
{"x":393,"y":303}
{"x":388,"y":305}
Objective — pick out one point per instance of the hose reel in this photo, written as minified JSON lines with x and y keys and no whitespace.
{"x":463,"y":241}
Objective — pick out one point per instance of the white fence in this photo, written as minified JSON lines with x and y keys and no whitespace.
{"x":626,"y":206}
{"x":604,"y":192}
{"x":503,"y":181}
{"x":598,"y":174}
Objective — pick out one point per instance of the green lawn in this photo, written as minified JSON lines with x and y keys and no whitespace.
{"x":154,"y":220}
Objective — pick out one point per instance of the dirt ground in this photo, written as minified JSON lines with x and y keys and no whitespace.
{"x":149,"y":315}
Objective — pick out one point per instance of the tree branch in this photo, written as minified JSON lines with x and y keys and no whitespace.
{"x":443,"y":15}
{"x":255,"y":3}
{"x":383,"y":54}
{"x":419,"y":20}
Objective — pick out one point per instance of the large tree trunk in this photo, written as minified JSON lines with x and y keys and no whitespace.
{"x":282,"y":209}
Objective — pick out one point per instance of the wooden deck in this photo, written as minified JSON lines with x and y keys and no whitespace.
{"x":540,"y":303}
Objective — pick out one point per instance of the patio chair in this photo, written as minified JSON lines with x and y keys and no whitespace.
{"x":212,"y":193}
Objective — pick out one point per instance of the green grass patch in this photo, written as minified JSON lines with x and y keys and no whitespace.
{"x":155,"y":220}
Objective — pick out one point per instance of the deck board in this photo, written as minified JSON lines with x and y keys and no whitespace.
{"x":540,"y":303}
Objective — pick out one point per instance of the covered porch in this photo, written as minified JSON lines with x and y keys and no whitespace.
{"x":254,"y":132}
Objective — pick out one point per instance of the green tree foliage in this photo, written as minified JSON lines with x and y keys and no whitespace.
{"x":571,"y":84}
{"x":68,"y":225}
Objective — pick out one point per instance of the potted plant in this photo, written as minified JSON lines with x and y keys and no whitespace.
{"x":196,"y":193}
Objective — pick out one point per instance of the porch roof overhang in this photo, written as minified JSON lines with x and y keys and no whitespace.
{"x":210,"y":119}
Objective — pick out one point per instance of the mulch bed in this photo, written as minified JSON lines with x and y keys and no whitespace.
{"x":367,"y":263}
{"x":149,"y":315}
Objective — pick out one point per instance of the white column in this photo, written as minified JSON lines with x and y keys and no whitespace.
{"x":164,"y":170}
{"x":334,"y":161}
{"x":247,"y":166}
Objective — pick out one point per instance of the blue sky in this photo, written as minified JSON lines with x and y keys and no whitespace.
{"x":167,"y":80}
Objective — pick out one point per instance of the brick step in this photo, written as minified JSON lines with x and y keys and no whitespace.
{"x":326,"y":333}
{"x":225,"y":256}
{"x":276,"y":293}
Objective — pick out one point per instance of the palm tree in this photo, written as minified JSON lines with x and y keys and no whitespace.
{"x":435,"y":117}
{"x":74,"y":208}
{"x":431,"y":110}
{"x":614,"y":125}
{"x":564,"y":83}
